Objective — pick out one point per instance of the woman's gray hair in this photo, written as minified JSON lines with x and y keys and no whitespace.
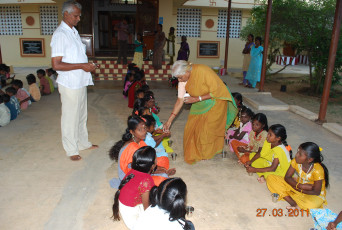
{"x":180,"y":68}
{"x":68,"y":6}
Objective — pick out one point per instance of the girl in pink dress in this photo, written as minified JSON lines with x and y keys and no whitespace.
{"x":241,"y":134}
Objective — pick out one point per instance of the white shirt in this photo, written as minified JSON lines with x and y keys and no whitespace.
{"x":155,"y":218}
{"x":5,"y":115}
{"x":66,"y":43}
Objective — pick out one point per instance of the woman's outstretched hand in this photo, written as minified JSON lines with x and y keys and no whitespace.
{"x":190,"y":100}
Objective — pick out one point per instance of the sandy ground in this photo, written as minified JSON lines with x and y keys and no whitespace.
{"x":42,"y":189}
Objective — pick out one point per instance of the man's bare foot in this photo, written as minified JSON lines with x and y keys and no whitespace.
{"x":261,"y":179}
{"x":75,"y":158}
{"x":93,"y":147}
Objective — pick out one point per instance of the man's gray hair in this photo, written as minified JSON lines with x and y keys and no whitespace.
{"x":68,"y":6}
{"x":180,"y":68}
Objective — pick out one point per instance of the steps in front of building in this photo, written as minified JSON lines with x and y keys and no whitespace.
{"x":109,"y":70}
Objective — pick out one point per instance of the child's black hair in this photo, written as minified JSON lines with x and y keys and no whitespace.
{"x":131,"y":66}
{"x":138,"y":76}
{"x":280,"y":131}
{"x":5,"y":68}
{"x":314,"y":152}
{"x":1,"y":99}
{"x":50,"y":70}
{"x":18,"y":83}
{"x":6,"y":98}
{"x":138,"y":92}
{"x":132,"y":123}
{"x":170,"y":195}
{"x":31,"y":79}
{"x":11,"y":90}
{"x":41,"y":71}
{"x":138,"y":107}
{"x":148,"y":95}
{"x":149,"y":120}
{"x":145,"y":88}
{"x":252,"y":36}
{"x":247,"y":111}
{"x":143,"y":160}
{"x":238,"y":97}
{"x":262,"y":119}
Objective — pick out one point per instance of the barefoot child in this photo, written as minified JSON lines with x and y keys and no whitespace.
{"x":240,"y":137}
{"x":274,"y":157}
{"x":308,"y":191}
{"x":257,"y":138}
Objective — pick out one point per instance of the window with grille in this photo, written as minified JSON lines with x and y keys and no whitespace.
{"x":10,"y":20}
{"x":189,"y":22}
{"x":235,"y":23}
{"x":48,"y":19}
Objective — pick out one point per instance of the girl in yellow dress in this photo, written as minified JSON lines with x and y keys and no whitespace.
{"x":308,"y":191}
{"x":274,"y":157}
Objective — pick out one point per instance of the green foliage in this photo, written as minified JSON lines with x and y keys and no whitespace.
{"x":307,"y":26}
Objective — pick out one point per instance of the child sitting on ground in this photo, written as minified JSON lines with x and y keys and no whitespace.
{"x":257,"y":138}
{"x":241,"y":135}
{"x":10,"y":106}
{"x":308,"y":190}
{"x":45,"y":88}
{"x":53,"y":76}
{"x":22,"y":95}
{"x":33,"y":88}
{"x":128,"y":83}
{"x":275,"y":156}
{"x":155,"y":142}
{"x":10,"y":91}
{"x":5,"y":114}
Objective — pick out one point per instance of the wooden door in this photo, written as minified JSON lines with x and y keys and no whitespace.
{"x":85,"y":26}
{"x":104,"y":29}
{"x":147,"y":16}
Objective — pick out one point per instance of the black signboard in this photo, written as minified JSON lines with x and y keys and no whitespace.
{"x":32,"y":47}
{"x":208,"y":49}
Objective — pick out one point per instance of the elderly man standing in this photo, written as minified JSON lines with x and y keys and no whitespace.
{"x":71,"y":62}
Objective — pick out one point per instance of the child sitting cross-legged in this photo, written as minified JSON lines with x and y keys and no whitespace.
{"x":257,"y":138}
{"x":33,"y":88}
{"x":156,"y":143}
{"x":10,"y":106}
{"x":240,"y":136}
{"x":5,"y":114}
{"x":132,"y":196}
{"x":44,"y":86}
{"x":10,"y":91}
{"x":22,"y":95}
{"x":275,"y":155}
{"x":308,"y":190}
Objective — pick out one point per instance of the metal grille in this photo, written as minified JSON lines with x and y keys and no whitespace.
{"x":10,"y":20}
{"x":189,"y":22}
{"x":235,"y":23}
{"x":48,"y":19}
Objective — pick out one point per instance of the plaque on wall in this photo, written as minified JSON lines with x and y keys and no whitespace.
{"x":208,"y":49}
{"x":32,"y":47}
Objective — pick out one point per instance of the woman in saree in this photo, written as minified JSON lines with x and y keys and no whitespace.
{"x":212,"y":112}
{"x":254,"y":69}
{"x":159,"y":42}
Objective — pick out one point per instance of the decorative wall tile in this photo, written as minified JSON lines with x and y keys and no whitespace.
{"x":189,"y":22}
{"x":10,"y":20}
{"x":48,"y":19}
{"x":235,"y":23}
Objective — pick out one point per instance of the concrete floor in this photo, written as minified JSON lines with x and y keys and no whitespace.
{"x":42,"y":189}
